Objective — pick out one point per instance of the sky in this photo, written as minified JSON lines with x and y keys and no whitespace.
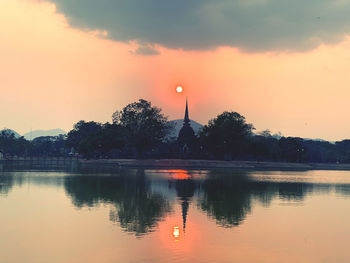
{"x":284,"y":65}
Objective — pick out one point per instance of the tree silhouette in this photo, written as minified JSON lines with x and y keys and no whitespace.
{"x":78,"y":138}
{"x":227,"y":135}
{"x":145,"y":124}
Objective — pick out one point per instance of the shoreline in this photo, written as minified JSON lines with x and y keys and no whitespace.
{"x":168,"y":164}
{"x":212,"y":164}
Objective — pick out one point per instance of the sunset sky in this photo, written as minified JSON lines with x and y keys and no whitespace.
{"x":284,"y":65}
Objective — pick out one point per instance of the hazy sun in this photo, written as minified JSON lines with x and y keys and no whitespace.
{"x":178,"y":89}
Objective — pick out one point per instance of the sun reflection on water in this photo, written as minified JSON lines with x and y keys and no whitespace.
{"x":176,"y":233}
{"x":179,"y":174}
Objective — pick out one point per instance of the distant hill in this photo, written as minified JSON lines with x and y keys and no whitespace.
{"x":38,"y":133}
{"x":17,"y":135}
{"x":178,"y":125}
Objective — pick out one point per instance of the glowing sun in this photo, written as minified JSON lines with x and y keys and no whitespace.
{"x":179,"y":89}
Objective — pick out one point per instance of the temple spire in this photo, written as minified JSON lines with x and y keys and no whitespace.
{"x":186,"y":119}
{"x":184,"y":206}
{"x":186,"y":137}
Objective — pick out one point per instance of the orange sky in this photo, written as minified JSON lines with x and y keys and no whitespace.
{"x":53,"y":75}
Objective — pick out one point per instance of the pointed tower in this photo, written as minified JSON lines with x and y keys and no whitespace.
{"x":184,"y":206}
{"x":186,"y":119}
{"x":186,"y":136}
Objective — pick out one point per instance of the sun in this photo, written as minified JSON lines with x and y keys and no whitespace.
{"x":179,"y":89}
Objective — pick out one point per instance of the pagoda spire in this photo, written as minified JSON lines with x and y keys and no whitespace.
{"x":184,"y":206}
{"x":186,"y":119}
{"x":186,"y":137}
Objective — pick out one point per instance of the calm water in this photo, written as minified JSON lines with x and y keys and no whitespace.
{"x":174,"y":216}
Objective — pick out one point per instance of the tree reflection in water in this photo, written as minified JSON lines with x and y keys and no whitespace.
{"x":227,"y":197}
{"x":137,"y":209}
{"x":343,"y":189}
{"x":6,"y":183}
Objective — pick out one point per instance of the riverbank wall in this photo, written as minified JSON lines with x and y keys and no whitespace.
{"x":169,"y":164}
{"x":213,"y":164}
{"x":38,"y":162}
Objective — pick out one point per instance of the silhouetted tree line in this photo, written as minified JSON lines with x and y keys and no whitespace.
{"x":44,"y":146}
{"x":140,"y":130}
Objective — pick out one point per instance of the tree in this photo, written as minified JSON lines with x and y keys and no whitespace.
{"x":292,"y":149}
{"x":227,"y":135}
{"x":12,"y":144}
{"x":264,"y":147}
{"x":80,"y":137}
{"x":103,"y":142}
{"x":48,"y":146}
{"x":145,"y":125}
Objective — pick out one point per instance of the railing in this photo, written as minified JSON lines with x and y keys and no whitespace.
{"x":50,"y":160}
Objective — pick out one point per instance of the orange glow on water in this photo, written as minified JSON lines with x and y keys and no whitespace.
{"x":176,"y":233}
{"x":173,"y":239}
{"x":179,"y":174}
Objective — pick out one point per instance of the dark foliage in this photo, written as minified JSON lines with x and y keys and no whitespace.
{"x":48,"y":146}
{"x":145,"y":125}
{"x":94,"y":140}
{"x":78,"y":137}
{"x":12,"y":145}
{"x":227,"y":135}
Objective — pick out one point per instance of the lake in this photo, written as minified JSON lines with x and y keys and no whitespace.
{"x":99,"y":215}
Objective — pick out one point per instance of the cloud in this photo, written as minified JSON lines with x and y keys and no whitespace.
{"x":251,"y":25}
{"x":145,"y":49}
